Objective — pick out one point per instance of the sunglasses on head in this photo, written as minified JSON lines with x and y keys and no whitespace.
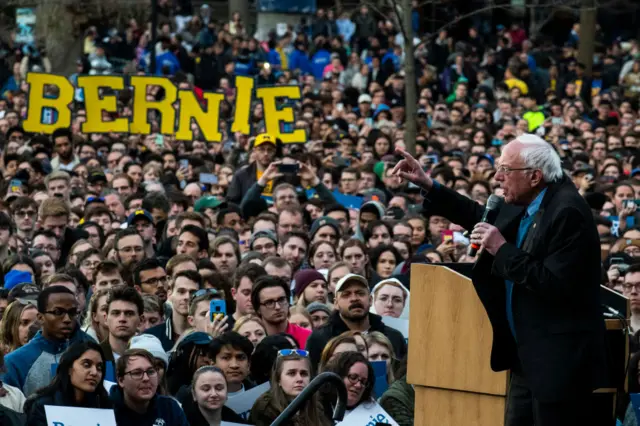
{"x":288,"y":352}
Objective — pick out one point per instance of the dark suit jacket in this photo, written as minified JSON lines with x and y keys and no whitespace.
{"x":556,"y":303}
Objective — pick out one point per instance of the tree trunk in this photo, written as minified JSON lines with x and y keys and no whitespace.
{"x":587,"y":34}
{"x":411,"y":96}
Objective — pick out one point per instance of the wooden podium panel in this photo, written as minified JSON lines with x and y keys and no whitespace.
{"x":440,"y":407}
{"x":450,"y":336}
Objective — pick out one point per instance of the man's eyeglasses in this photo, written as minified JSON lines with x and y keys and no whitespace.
{"x":506,"y":170}
{"x":629,"y":287}
{"x":155,"y":281}
{"x":354,"y":378}
{"x":139,"y":374}
{"x":288,"y":352}
{"x":270,"y":304}
{"x":25,"y":213}
{"x":60,"y":313}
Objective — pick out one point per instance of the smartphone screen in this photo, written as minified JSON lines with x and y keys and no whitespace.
{"x":447,"y":235}
{"x":208,"y":178}
{"x":184,"y":164}
{"x":289,"y":168}
{"x":217,"y":308}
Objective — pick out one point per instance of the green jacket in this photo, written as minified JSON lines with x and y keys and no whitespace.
{"x":399,"y":402}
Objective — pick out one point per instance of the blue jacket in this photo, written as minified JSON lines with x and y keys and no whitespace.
{"x":163,"y":410}
{"x":30,"y":367}
{"x":273,"y":57}
{"x":169,"y":59}
{"x":321,"y":59}
{"x":346,"y":28}
{"x":299,"y":60}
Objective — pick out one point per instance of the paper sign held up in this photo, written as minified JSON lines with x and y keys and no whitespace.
{"x":74,"y":416}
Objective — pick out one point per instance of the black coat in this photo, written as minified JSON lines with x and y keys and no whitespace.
{"x":241,"y":182}
{"x":336,"y":326}
{"x":556,"y":296}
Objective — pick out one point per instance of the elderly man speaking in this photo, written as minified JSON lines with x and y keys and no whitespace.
{"x":538,"y":276}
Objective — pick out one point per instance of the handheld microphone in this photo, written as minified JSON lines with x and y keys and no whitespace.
{"x":489,"y":216}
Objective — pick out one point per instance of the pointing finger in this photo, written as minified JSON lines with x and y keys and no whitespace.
{"x":408,"y":157}
{"x":398,"y":166}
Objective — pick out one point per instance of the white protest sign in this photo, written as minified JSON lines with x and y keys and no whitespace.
{"x":73,"y":416}
{"x":242,"y":403}
{"x":367,"y":415}
{"x":108,"y":385}
{"x":400,"y":324}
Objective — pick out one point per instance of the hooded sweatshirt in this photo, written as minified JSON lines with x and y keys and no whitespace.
{"x":379,"y":209}
{"x":162,"y":410}
{"x":30,"y":367}
{"x":407,"y":296}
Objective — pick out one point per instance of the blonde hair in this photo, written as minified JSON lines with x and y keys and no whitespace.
{"x":245,"y":319}
{"x":9,"y":332}
{"x":377,"y":338}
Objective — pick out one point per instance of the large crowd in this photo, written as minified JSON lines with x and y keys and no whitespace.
{"x":165,"y":278}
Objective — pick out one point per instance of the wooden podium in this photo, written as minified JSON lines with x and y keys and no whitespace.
{"x":450,"y":352}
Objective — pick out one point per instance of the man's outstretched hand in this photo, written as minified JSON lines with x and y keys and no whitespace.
{"x":410,"y":170}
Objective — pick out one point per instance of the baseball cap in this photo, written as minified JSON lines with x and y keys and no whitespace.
{"x":635,"y":171}
{"x":263,"y":138}
{"x":96,"y":177}
{"x":207,"y":202}
{"x":351,"y":279}
{"x":364,"y":99}
{"x":24,"y":293}
{"x":197,"y":338}
{"x":138,"y":214}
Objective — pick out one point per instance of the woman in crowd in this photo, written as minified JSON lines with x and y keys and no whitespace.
{"x":45,"y":265}
{"x":251,"y":327}
{"x":358,"y":377}
{"x":311,"y":286}
{"x":300,"y":317}
{"x":79,"y":382}
{"x":336,"y":346}
{"x":265,"y":354}
{"x":390,"y":298}
{"x":209,"y":394}
{"x":292,"y":372}
{"x":419,"y":235}
{"x":87,"y":262}
{"x":18,"y":318}
{"x":385,"y":258}
{"x":95,"y":323}
{"x":381,"y":349}
{"x":191,"y":353}
{"x":319,"y":314}
{"x":77,"y":248}
{"x":322,"y":255}
{"x":20,"y":262}
{"x":404,"y":247}
{"x":354,"y":254}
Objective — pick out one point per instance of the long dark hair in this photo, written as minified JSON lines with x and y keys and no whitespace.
{"x":61,"y":382}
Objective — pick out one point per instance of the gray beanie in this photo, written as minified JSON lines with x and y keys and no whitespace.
{"x":152,"y":344}
{"x":317,"y":306}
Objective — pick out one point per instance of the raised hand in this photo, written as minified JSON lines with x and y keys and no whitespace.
{"x":270,"y":173}
{"x":410,"y":170}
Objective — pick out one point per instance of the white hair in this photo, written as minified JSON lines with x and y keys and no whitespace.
{"x":539,"y":154}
